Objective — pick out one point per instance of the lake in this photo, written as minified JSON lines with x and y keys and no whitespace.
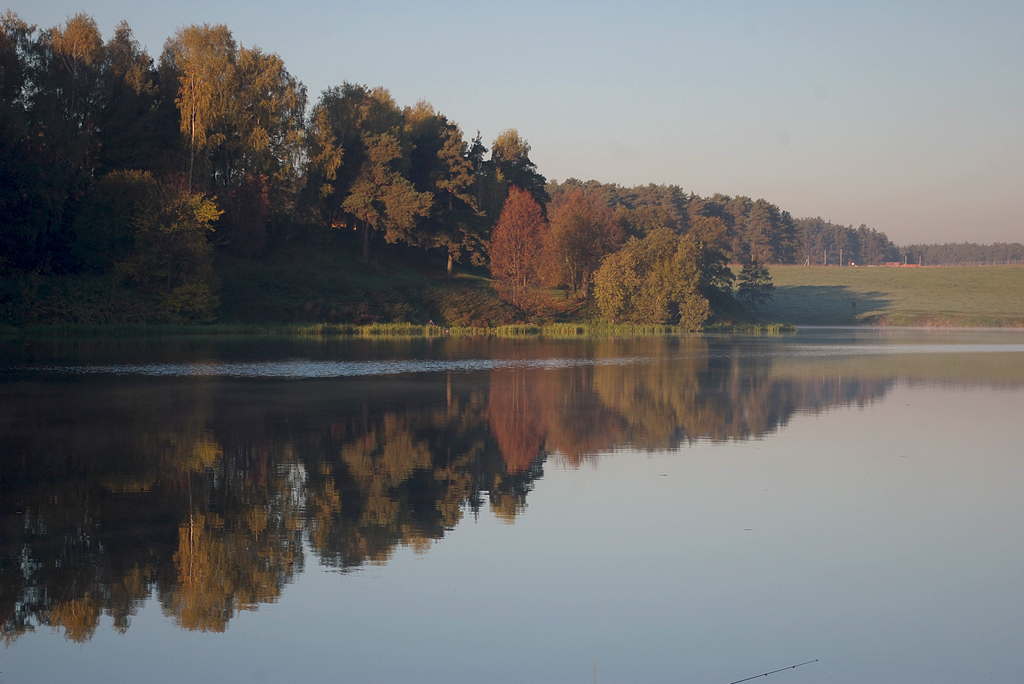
{"x":695,"y":509}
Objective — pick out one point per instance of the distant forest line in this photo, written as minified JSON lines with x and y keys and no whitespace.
{"x":144,"y":175}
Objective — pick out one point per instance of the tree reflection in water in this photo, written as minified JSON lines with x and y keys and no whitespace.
{"x":207,"y":492}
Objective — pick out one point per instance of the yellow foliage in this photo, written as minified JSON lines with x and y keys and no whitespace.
{"x":78,"y":618}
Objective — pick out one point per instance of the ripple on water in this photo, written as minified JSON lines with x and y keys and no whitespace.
{"x":306,"y":368}
{"x":311,"y":368}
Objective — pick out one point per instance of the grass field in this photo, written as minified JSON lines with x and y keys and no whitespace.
{"x":984,"y":296}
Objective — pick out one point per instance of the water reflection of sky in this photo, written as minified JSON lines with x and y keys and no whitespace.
{"x":882,"y":541}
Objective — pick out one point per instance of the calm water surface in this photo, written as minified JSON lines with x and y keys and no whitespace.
{"x":669,"y":510}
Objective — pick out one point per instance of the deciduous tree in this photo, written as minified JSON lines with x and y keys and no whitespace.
{"x":201,"y":61}
{"x":172,"y":260}
{"x":653,"y":280}
{"x":516,"y":244}
{"x":583,"y":232}
{"x":258,"y":165}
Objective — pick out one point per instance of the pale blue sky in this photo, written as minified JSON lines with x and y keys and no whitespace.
{"x":908,"y":117}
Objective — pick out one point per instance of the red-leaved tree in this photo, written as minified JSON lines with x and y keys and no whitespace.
{"x":516,"y":246}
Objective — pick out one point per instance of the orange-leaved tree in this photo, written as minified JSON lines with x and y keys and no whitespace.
{"x":516,"y":246}
{"x":583,"y":232}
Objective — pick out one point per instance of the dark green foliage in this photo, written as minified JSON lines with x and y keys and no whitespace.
{"x":754,"y":285}
{"x":336,"y":147}
{"x":108,"y":217}
{"x":17,"y":173}
{"x":171,"y":260}
{"x":444,"y":165}
{"x":51,"y":105}
{"x":716,"y":278}
{"x":359,"y":160}
{"x":83,"y":299}
{"x":381,"y":199}
{"x":71,"y":109}
{"x":826,"y":243}
{"x":136,"y":132}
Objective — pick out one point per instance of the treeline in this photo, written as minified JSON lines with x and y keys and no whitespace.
{"x":965,"y":254}
{"x":746,"y":229}
{"x":826,"y":243}
{"x":127,"y":176}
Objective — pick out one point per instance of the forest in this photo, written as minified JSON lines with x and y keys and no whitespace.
{"x":204,"y":185}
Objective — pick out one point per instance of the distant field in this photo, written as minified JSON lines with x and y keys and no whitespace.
{"x":937,"y":296}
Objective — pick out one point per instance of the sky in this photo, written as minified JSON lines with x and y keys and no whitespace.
{"x":907,"y":117}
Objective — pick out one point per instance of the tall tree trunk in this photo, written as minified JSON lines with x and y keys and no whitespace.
{"x":450,"y":265}
{"x":191,"y":145}
{"x":366,"y":242}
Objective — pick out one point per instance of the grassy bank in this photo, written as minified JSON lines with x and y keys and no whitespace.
{"x":309,"y":290}
{"x":334,"y":286}
{"x":374,"y":330}
{"x":982,"y":296}
{"x":297,"y":285}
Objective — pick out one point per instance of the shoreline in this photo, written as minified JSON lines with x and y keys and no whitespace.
{"x":373,"y":330}
{"x":414,"y":331}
